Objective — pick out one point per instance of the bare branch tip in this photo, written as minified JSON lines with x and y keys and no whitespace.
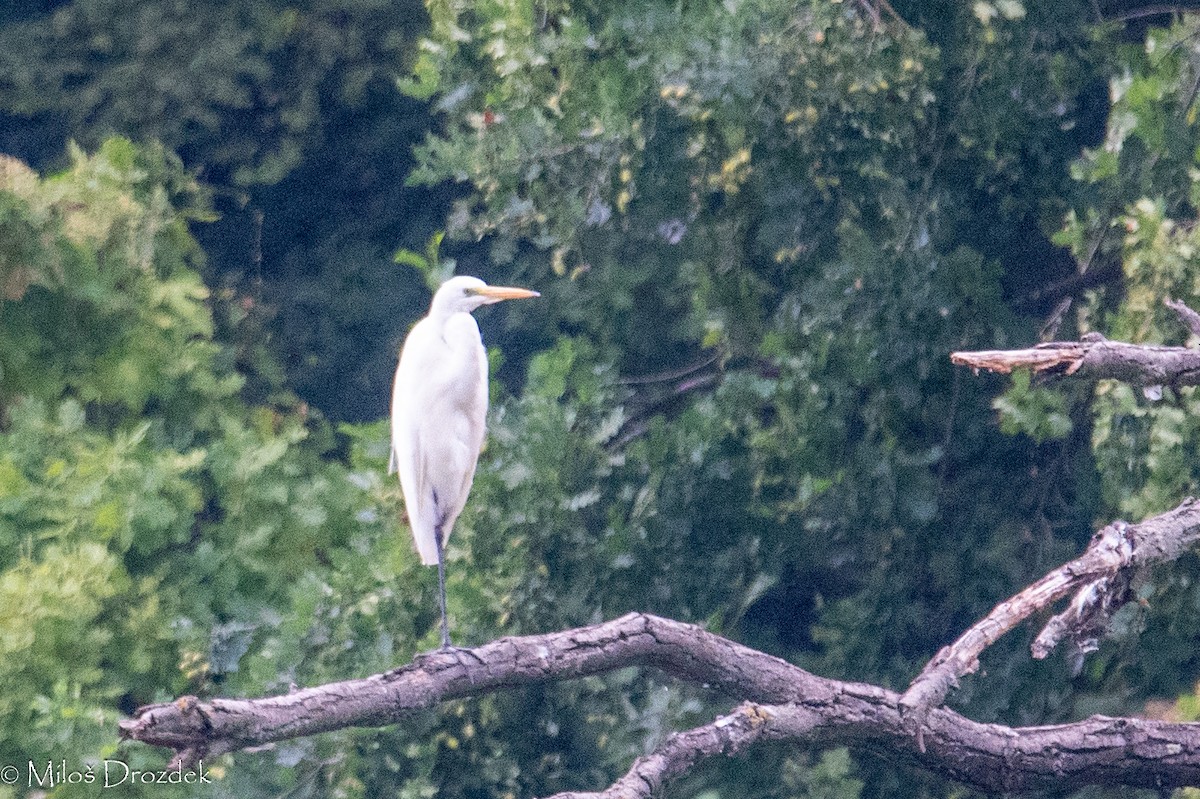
{"x":1189,"y":317}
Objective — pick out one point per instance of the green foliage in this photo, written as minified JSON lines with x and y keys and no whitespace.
{"x":157,"y":535}
{"x":558,"y":118}
{"x":242,"y":86}
{"x":829,"y":777}
{"x":73,"y":605}
{"x":1141,"y":187}
{"x":433,"y":269}
{"x":104,"y":319}
{"x":1133,"y":213}
{"x":585,"y":502}
{"x":107,"y":334}
{"x":290,"y":112}
{"x":759,"y":227}
{"x":1035,"y":411}
{"x":760,"y":223}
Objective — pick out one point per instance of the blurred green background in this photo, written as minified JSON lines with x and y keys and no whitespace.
{"x":759,"y":228}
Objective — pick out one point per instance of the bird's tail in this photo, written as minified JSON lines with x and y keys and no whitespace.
{"x":428,"y":554}
{"x":423,"y":539}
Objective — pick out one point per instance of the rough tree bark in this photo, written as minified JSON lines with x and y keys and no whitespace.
{"x":1099,"y":580}
{"x":783,"y":702}
{"x":1096,"y":357}
{"x":779,"y":701}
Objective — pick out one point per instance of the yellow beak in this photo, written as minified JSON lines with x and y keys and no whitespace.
{"x":498,"y":293}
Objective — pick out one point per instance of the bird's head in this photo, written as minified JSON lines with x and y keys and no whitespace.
{"x":465,"y":294}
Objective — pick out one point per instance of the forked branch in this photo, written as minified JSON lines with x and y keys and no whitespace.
{"x":781,"y":702}
{"x":1098,"y":578}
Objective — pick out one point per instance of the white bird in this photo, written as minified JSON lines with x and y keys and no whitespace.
{"x":439,"y":410}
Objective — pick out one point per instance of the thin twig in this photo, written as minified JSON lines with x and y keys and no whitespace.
{"x":1190,"y":319}
{"x":1115,"y":549}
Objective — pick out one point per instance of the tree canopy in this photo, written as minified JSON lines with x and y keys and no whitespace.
{"x":759,"y":228}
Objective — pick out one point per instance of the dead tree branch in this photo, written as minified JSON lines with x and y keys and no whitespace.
{"x":783,"y":702}
{"x":728,"y":735}
{"x":989,"y":757}
{"x":1095,"y":357}
{"x":1190,"y":318}
{"x":780,"y":701}
{"x":1099,"y":579}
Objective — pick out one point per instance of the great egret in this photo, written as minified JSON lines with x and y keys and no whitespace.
{"x":439,"y":409}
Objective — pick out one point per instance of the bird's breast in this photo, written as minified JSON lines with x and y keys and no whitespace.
{"x":464,"y":372}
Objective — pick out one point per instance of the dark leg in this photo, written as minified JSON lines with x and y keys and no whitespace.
{"x":437,"y":538}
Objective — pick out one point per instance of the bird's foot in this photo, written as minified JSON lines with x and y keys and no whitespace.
{"x":459,"y":653}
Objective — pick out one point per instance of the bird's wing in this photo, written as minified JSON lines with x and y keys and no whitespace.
{"x":411,"y":394}
{"x":463,"y":399}
{"x":439,"y":409}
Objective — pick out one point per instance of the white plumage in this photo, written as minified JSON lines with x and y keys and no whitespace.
{"x":439,"y":412}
